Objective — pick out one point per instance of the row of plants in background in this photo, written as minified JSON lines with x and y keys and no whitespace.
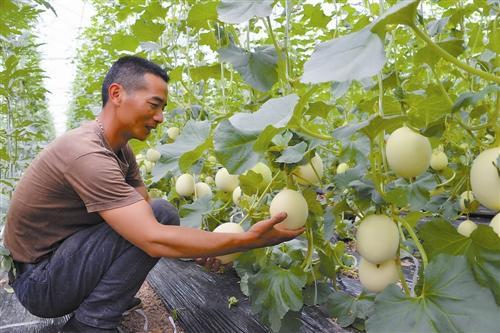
{"x":25,"y":123}
{"x":371,"y":122}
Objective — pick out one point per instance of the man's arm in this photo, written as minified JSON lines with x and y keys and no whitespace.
{"x":137,"y":224}
{"x":144,"y":192}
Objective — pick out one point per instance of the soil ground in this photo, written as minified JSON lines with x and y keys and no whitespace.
{"x":153,"y":317}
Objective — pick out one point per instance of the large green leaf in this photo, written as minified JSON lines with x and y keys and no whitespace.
{"x":428,"y":108}
{"x":240,"y":140}
{"x":239,"y":11}
{"x":471,"y":98}
{"x":122,"y":41}
{"x":315,"y":15}
{"x":192,"y":214}
{"x":234,"y":148}
{"x":404,"y":12}
{"x":413,"y":194}
{"x":346,"y":308}
{"x":274,"y":291}
{"x":207,"y":72}
{"x":201,"y":13}
{"x":451,"y":301}
{"x":428,"y":55}
{"x":145,"y":30}
{"x":351,"y":57}
{"x":482,"y":249}
{"x":193,"y":135}
{"x":258,"y":68}
{"x":371,"y":127}
{"x":276,"y":112}
{"x":293,"y":154}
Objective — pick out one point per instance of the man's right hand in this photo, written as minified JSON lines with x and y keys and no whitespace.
{"x":272,"y":232}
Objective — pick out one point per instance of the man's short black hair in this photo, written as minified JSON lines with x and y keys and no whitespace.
{"x":129,"y":72}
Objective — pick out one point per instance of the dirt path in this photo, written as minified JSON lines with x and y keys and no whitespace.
{"x":153,"y":309}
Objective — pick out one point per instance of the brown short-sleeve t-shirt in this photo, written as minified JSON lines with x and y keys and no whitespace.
{"x":64,"y":188}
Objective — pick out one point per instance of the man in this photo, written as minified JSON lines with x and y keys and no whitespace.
{"x":81,"y":228}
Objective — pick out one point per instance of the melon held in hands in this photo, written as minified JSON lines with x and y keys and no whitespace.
{"x":294,"y":204}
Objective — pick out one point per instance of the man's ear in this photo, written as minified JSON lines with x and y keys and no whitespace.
{"x":115,"y":93}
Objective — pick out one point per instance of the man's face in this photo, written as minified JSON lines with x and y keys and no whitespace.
{"x":142,"y":109}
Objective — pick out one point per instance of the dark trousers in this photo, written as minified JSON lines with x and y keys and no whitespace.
{"x":94,"y":273}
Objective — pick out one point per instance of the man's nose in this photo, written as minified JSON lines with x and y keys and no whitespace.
{"x":159,"y":117}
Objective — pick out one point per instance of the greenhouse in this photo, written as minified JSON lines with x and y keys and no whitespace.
{"x":251,"y":166}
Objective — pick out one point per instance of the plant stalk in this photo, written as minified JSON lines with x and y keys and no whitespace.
{"x":415,"y":239}
{"x":485,"y":75}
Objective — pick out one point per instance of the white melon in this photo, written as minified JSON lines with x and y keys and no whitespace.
{"x":408,"y":153}
{"x":294,"y":204}
{"x":377,"y":238}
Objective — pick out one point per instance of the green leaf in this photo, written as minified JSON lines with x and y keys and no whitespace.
{"x":316,"y":17}
{"x":330,"y":256}
{"x":207,"y":72}
{"x":258,"y":68}
{"x":482,"y":249}
{"x":339,"y":89}
{"x":435,"y":27}
{"x":397,"y":197}
{"x":145,"y":30}
{"x":192,"y":214}
{"x":276,"y":112}
{"x":233,"y":11}
{"x":190,"y":157}
{"x":351,"y":57}
{"x":451,"y":301}
{"x":404,"y":12}
{"x":293,"y":154}
{"x":317,"y":293}
{"x":371,"y":127}
{"x":201,"y":13}
{"x":234,"y":148}
{"x":470,"y":98}
{"x":155,"y":11}
{"x":313,"y":204}
{"x":346,"y":308}
{"x":428,"y":108}
{"x":122,"y":41}
{"x":377,"y":124}
{"x":320,"y":109}
{"x":418,"y":191}
{"x":176,"y":73}
{"x":250,"y":182}
{"x":265,"y":137}
{"x":274,"y":291}
{"x":193,"y":135}
{"x":427,"y":55}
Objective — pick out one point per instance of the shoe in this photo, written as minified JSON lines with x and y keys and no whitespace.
{"x":74,"y":326}
{"x":134,"y":305}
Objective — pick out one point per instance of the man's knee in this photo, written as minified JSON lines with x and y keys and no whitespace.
{"x":165,"y":212}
